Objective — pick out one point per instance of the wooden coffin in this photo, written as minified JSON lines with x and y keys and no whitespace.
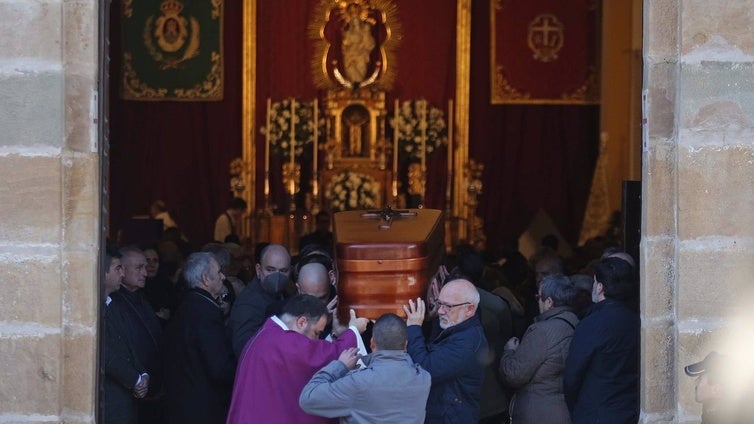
{"x":380,"y":269}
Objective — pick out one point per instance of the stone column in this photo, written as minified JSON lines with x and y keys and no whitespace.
{"x":49,"y":204}
{"x":698,"y":194}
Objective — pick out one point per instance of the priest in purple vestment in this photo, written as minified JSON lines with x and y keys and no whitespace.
{"x":277,"y":363}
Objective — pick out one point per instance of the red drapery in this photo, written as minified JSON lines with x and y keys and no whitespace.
{"x":425,"y":61}
{"x":175,"y":151}
{"x":535,"y":157}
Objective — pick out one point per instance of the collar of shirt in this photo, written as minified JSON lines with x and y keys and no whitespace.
{"x":108,"y":299}
{"x":277,"y":321}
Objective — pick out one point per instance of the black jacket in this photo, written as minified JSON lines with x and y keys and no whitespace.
{"x":455,"y":358}
{"x":199,"y":365}
{"x":122,"y":370}
{"x":601,"y":375}
{"x":250,"y":310}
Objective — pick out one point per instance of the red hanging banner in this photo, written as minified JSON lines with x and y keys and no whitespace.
{"x":545,"y":51}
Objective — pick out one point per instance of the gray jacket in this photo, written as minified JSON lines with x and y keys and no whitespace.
{"x":535,"y":369}
{"x":390,"y":389}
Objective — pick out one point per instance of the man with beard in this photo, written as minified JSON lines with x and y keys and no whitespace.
{"x":455,"y":354}
{"x":262,"y":297}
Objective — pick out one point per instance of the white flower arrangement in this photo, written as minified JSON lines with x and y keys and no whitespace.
{"x":279,"y":132}
{"x":409,"y":128}
{"x":351,"y":190}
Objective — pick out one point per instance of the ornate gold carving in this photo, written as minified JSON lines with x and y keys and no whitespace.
{"x":211,"y":87}
{"x":416,"y":183}
{"x":586,"y":93}
{"x":217,"y":8}
{"x":545,"y":37}
{"x":475,"y":224}
{"x":249,"y":91}
{"x":128,"y":8}
{"x":503,"y":89}
{"x":357,"y":33}
{"x":134,"y":86}
{"x":461,"y":128}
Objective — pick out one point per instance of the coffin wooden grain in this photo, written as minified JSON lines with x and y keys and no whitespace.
{"x":379,"y":270}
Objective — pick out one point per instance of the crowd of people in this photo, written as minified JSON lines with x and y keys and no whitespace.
{"x":228,"y":335}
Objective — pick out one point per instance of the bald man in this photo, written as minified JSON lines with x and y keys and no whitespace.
{"x":454,"y":355}
{"x":262,"y":297}
{"x":314,"y":280}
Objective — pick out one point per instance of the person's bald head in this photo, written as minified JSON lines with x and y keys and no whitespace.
{"x":314,"y":280}
{"x":273,"y":258}
{"x":457,"y":302}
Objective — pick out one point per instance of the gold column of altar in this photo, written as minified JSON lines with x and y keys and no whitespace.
{"x":355,"y":141}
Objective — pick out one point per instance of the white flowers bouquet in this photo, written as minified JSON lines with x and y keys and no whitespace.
{"x":409,"y":129}
{"x":279,"y":131}
{"x":351,"y":190}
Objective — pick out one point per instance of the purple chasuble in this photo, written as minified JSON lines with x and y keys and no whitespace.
{"x":275,"y":366}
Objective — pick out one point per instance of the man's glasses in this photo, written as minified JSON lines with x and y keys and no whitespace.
{"x":447,"y":306}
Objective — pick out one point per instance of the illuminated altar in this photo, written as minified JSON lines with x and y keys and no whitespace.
{"x":356,"y":153}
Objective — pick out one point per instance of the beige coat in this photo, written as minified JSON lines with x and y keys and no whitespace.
{"x":535,"y":369}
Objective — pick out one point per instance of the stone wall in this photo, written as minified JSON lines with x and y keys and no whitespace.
{"x":49,"y":204}
{"x":698,"y":192}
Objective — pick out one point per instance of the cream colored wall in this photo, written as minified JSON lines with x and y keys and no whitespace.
{"x":49,"y":205}
{"x":698,"y":195}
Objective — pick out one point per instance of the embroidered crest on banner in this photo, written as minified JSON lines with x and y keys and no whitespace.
{"x":545,"y":37}
{"x":171,"y":39}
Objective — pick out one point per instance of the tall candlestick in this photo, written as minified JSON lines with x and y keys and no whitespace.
{"x":449,"y":183}
{"x":450,"y":135}
{"x":315,"y":153}
{"x":267,"y":151}
{"x":395,"y":149}
{"x":293,"y":145}
{"x":423,"y":126}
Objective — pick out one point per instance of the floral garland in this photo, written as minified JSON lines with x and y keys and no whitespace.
{"x":350,"y":190}
{"x":409,"y":128}
{"x":280,"y":127}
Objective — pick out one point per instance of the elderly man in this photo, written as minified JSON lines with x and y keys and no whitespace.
{"x":455,"y":354}
{"x":601,"y":374}
{"x":390,"y":389}
{"x":262,"y":297}
{"x":280,"y":360}
{"x":199,"y":375}
{"x":143,"y":329}
{"x":125,"y":378}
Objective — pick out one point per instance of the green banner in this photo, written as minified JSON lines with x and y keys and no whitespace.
{"x":172,"y":50}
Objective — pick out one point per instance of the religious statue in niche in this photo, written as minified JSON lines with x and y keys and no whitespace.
{"x":355,"y":131}
{"x":357,"y":43}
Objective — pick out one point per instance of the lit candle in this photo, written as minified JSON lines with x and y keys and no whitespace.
{"x":293,"y":144}
{"x":395,"y":149}
{"x":315,"y":189}
{"x":267,"y":151}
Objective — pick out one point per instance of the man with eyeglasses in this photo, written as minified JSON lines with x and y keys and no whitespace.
{"x":454,"y":355}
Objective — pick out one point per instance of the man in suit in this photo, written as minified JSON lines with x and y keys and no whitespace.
{"x":201,"y":367}
{"x":125,"y":378}
{"x":143,"y":329}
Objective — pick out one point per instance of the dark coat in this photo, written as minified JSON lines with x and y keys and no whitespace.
{"x":535,"y":369}
{"x":199,"y":366}
{"x":122,"y":371}
{"x":456,"y":359}
{"x":143,"y":331}
{"x":601,"y":376}
{"x":250,"y":310}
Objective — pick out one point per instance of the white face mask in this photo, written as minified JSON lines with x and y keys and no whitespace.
{"x":595,"y":296}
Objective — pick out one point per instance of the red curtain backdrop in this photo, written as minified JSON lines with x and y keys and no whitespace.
{"x":425,"y":60}
{"x":535,"y":157}
{"x":175,"y":151}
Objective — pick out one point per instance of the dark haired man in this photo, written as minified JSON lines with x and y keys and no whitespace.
{"x":601,"y":373}
{"x":279,"y":360}
{"x":390,"y":389}
{"x":227,"y":224}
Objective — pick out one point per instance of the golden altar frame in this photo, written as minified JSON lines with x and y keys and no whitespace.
{"x":460,"y":211}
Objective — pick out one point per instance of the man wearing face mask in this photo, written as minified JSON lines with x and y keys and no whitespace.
{"x":262,"y":297}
